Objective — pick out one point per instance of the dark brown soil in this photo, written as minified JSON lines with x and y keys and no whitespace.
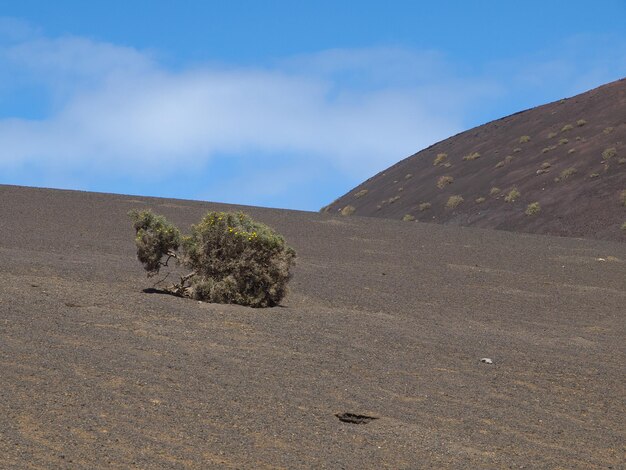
{"x":571,"y":133}
{"x":385,"y":319}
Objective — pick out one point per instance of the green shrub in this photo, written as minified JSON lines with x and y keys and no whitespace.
{"x":552,"y":134}
{"x":581,"y":122}
{"x":393,"y":199}
{"x":440,"y":158}
{"x":155,"y":238}
{"x":624,"y":226}
{"x":621,"y":160}
{"x":494,"y":191}
{"x":570,"y":151}
{"x":408,"y":218}
{"x":567,"y":173}
{"x":517,"y":150}
{"x":594,"y":175}
{"x":361,"y":193}
{"x":480,"y":200}
{"x":500,"y":164}
{"x":563,"y":141}
{"x":454,"y":201}
{"x":609,"y":153}
{"x":512,"y":195}
{"x":523,"y":139}
{"x":444,"y":181}
{"x":567,"y":127}
{"x":508,"y":159}
{"x":348,"y":210}
{"x":424,"y":206}
{"x":472,"y":156}
{"x":533,"y":208}
{"x":408,"y":176}
{"x":232,"y":258}
{"x":607,"y":130}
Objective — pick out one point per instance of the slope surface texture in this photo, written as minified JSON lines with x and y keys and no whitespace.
{"x":384,"y":320}
{"x":557,"y":169}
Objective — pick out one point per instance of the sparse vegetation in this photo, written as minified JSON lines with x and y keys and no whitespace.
{"x":454,"y":201}
{"x":361,"y":193}
{"x":523,"y":139}
{"x":566,"y":174}
{"x":517,"y":150}
{"x":512,"y":195}
{"x":607,"y":130}
{"x":500,"y":164}
{"x":472,"y":156}
{"x":439,"y":159}
{"x":563,"y":141}
{"x":609,"y":153}
{"x":348,"y":210}
{"x":400,"y":189}
{"x":232,"y":258}
{"x":624,"y":226}
{"x":480,"y":200}
{"x":594,"y":175}
{"x":621,"y":160}
{"x":571,"y":151}
{"x":424,"y":206}
{"x":552,"y":135}
{"x":494,"y":191}
{"x":447,"y":165}
{"x":581,"y":122}
{"x":545,"y":168}
{"x":508,"y":159}
{"x":547,"y":149}
{"x":622,"y":198}
{"x":408,"y":218}
{"x":408,"y":176}
{"x":393,"y":199}
{"x":532,"y":208}
{"x":444,"y":181}
{"x":567,"y":127}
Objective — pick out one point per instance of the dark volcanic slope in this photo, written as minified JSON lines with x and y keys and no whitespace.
{"x":568,"y":156}
{"x":385,"y":318}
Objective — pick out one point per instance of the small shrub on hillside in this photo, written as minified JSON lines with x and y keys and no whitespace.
{"x":621,"y":160}
{"x":624,"y":226}
{"x":400,"y":189}
{"x":500,"y":164}
{"x":440,"y":158}
{"x":552,"y":135}
{"x":566,"y":174}
{"x":454,"y":201}
{"x":444,"y":181}
{"x":508,"y":159}
{"x":472,"y":156}
{"x":523,"y":139}
{"x":517,"y":150}
{"x":480,"y":200}
{"x":408,"y":176}
{"x":512,"y":195}
{"x":571,"y":151}
{"x":494,"y":191}
{"x":348,"y":210}
{"x":447,"y":165}
{"x":545,"y":165}
{"x":609,"y":153}
{"x":393,"y":199}
{"x":408,"y":218}
{"x":563,"y":141}
{"x":567,"y":127}
{"x":547,"y":149}
{"x":581,"y":122}
{"x":424,"y":206}
{"x":533,"y":208}
{"x":608,"y":130}
{"x":594,"y":175}
{"x":361,"y":193}
{"x":232,"y":258}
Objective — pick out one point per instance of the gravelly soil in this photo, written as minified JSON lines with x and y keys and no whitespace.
{"x":584,"y":135}
{"x":384,"y":319}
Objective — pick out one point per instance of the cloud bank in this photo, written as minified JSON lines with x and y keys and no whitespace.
{"x":320,"y":122}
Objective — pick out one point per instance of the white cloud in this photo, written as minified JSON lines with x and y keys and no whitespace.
{"x":116,"y":111}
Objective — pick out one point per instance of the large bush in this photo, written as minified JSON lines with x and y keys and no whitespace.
{"x":232,"y":258}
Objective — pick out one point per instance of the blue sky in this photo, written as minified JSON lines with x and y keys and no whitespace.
{"x":275,"y":103}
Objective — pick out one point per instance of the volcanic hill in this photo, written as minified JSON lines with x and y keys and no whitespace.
{"x":556,"y":169}
{"x":384,"y":319}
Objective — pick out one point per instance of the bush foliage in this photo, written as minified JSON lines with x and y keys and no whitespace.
{"x":232,"y":258}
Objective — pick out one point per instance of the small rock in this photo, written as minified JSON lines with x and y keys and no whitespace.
{"x":486,"y":360}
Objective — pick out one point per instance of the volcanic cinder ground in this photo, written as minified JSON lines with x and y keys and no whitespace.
{"x":569,"y":157}
{"x":385,"y":319}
